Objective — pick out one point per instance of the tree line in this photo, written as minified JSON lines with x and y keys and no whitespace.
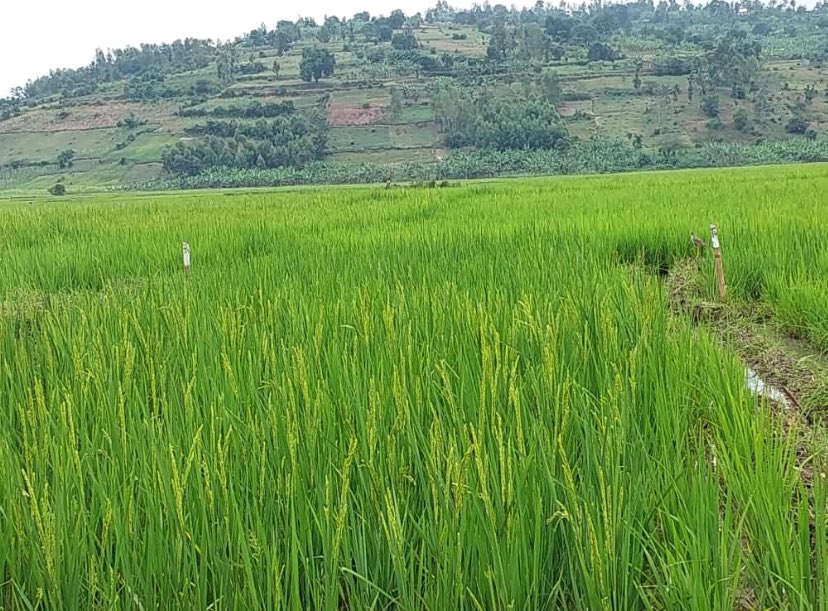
{"x":120,"y":64}
{"x":286,"y":141}
{"x":485,"y":122}
{"x":253,"y":110}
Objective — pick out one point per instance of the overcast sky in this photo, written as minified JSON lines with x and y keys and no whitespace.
{"x":37,"y":35}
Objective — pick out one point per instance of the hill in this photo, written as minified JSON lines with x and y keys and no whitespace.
{"x":449,"y":93}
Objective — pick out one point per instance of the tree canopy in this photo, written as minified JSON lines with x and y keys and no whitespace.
{"x":316,"y":63}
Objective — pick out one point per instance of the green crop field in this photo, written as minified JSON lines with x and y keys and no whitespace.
{"x":474,"y":397}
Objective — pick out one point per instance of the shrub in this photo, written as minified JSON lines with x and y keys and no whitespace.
{"x":741,"y":119}
{"x":710,"y":106}
{"x":673,"y":66}
{"x":599,"y":51}
{"x":797,"y":125}
{"x":131,"y":121}
{"x":58,"y":189}
{"x":65,"y":159}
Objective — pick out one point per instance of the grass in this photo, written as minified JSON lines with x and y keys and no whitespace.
{"x":42,"y":146}
{"x":417,"y":114}
{"x":146,"y":147}
{"x":358,"y":97}
{"x":413,"y":136}
{"x":383,"y":137}
{"x":87,"y":177}
{"x":412,"y":155}
{"x":360,"y":138}
{"x":360,"y":399}
{"x":473,"y":45}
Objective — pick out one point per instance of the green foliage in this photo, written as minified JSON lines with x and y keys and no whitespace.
{"x":809,"y":94}
{"x":797,"y":125}
{"x":734,"y":62}
{"x":379,"y":32}
{"x":741,"y":120}
{"x":66,"y":159}
{"x":131,"y":121}
{"x":147,"y":87}
{"x":59,"y":189}
{"x":252,"y":110}
{"x":599,"y":51}
{"x":762,"y":29}
{"x":284,"y":36}
{"x":226,"y":65}
{"x":501,"y":43}
{"x":147,"y":64}
{"x":559,"y":26}
{"x":487,"y":122}
{"x":285,"y":141}
{"x":396,"y":106}
{"x":596,"y":156}
{"x":316,"y":63}
{"x":404,"y":41}
{"x":671,"y":66}
{"x":202,"y":87}
{"x":397,"y":19}
{"x":710,"y":106}
{"x":252,"y":68}
{"x":359,"y":396}
{"x":8,"y":108}
{"x":532,"y":44}
{"x":551,"y":85}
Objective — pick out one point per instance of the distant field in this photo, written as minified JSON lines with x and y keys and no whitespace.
{"x":442,"y":39}
{"x":519,"y":394}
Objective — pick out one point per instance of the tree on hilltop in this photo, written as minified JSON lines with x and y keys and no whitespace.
{"x":316,"y":63}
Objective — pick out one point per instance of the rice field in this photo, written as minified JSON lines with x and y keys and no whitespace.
{"x":465,"y":398}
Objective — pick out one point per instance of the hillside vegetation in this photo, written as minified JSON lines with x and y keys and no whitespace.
{"x":443,"y":94}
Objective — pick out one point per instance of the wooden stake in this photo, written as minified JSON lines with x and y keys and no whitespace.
{"x":186,"y":251}
{"x":717,"y":261}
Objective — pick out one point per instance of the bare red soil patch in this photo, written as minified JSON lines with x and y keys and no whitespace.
{"x":340,"y":115}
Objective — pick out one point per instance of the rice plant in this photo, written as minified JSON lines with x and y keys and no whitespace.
{"x":471,"y":398}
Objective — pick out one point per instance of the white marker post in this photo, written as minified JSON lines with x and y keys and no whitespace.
{"x":717,"y":261}
{"x":185,"y":247}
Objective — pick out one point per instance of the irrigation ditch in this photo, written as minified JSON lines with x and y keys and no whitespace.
{"x":786,"y":372}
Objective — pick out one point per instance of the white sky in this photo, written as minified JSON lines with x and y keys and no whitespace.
{"x":37,"y":35}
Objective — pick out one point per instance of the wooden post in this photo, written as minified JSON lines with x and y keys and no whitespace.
{"x":717,"y":261}
{"x":185,"y":247}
